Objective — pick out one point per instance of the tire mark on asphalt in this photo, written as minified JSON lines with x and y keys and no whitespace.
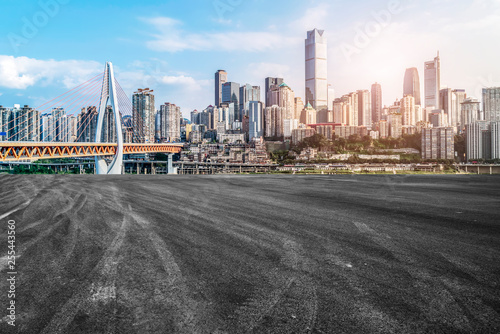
{"x":18,"y":208}
{"x":100,"y":288}
{"x":176,"y":292}
{"x":289,"y":299}
{"x":439,"y":304}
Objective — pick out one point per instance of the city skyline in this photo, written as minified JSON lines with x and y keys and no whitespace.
{"x":177,"y":74}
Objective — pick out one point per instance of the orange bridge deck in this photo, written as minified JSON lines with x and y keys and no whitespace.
{"x":14,"y":151}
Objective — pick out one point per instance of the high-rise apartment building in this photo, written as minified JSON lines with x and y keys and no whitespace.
{"x":364,"y":108}
{"x":220,"y":79}
{"x":310,"y":115}
{"x":491,"y":104}
{"x":478,"y":140}
{"x":273,"y":121}
{"x":376,"y":102}
{"x":170,"y":122}
{"x":470,"y":112}
{"x":299,"y":106}
{"x":432,"y":84}
{"x":395,"y":125}
{"x":437,"y":143}
{"x":408,"y":110}
{"x":495,"y":140}
{"x":255,"y":120}
{"x":143,"y":116}
{"x":87,"y":124}
{"x":270,"y":83}
{"x":316,"y":69}
{"x":411,"y":85}
{"x":284,"y":97}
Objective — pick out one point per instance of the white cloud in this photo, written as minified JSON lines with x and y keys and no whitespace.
{"x":170,"y":38}
{"x":24,"y":72}
{"x":314,"y":17}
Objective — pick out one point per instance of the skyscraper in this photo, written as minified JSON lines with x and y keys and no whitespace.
{"x":231,"y":94}
{"x":432,"y":85}
{"x":408,"y":110}
{"x":255,"y":114}
{"x":220,"y":79}
{"x":248,"y":93}
{"x":316,"y":69}
{"x":449,"y":101}
{"x":491,"y":104}
{"x":478,"y":140}
{"x":376,"y":102}
{"x":143,"y":116}
{"x":270,"y":83}
{"x":411,"y":85}
{"x":284,"y":97}
{"x":364,"y":108}
{"x":470,"y":112}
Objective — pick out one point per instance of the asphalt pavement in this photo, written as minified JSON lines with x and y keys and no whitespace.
{"x":252,"y":254}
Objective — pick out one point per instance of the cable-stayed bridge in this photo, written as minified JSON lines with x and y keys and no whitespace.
{"x":94,"y":119}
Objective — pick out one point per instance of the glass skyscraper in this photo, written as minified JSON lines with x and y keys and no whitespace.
{"x":316,"y":70}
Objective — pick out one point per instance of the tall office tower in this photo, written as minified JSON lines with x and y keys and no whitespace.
{"x":87,"y":124}
{"x":284,"y":97}
{"x":408,"y":110}
{"x":299,"y":106}
{"x":459,"y":96}
{"x":432,"y":84}
{"x":316,"y":69}
{"x":491,"y":104}
{"x":231,"y":94}
{"x":220,"y":79}
{"x":478,"y":140}
{"x":255,"y":119}
{"x":449,"y":102}
{"x":411,"y":85}
{"x":270,"y":83}
{"x":273,"y":121}
{"x":364,"y":108}
{"x":437,"y":143}
{"x":248,"y":93}
{"x":376,"y":102}
{"x":143,"y":116}
{"x":170,"y":122}
{"x":470,"y":112}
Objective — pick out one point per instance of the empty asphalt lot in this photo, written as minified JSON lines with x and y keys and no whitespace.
{"x":253,"y":254}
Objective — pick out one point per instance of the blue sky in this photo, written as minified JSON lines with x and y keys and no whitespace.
{"x":175,"y":47}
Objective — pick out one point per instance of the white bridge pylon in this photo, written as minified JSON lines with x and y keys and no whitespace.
{"x":108,"y":94}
